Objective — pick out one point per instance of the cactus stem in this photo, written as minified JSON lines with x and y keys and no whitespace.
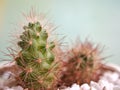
{"x":37,"y":58}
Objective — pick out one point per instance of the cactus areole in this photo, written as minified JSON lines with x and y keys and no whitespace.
{"x":36,"y":58}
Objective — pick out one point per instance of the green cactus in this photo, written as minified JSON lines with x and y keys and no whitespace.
{"x":39,"y":70}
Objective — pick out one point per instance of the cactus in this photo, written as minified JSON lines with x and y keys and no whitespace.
{"x":83,"y":64}
{"x":39,"y":64}
{"x":36,"y":59}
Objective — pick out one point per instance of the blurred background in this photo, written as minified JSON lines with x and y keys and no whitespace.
{"x":97,"y":19}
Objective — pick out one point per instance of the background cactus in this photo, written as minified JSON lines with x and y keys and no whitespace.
{"x":36,"y":59}
{"x":82,"y":64}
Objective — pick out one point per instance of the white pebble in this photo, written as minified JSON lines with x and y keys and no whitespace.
{"x":17,"y":88}
{"x":110,"y":76}
{"x":105,"y":84}
{"x":95,"y":85}
{"x":75,"y":87}
{"x":6,"y":75}
{"x":85,"y":87}
{"x":13,"y":88}
{"x":117,"y":82}
{"x":92,"y":88}
{"x":7,"y":88}
{"x":116,"y":88}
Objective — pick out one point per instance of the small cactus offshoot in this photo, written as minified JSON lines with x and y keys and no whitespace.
{"x":82,"y":65}
{"x":36,"y":59}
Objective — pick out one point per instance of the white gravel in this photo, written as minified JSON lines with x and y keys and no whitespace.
{"x":109,"y":81}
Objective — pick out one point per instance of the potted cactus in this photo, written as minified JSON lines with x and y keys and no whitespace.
{"x":40,"y":64}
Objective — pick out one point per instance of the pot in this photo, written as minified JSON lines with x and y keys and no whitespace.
{"x":110,"y":80}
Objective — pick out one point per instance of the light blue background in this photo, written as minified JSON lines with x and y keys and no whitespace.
{"x":98,"y":19}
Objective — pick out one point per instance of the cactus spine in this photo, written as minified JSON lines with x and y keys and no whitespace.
{"x":37,"y":59}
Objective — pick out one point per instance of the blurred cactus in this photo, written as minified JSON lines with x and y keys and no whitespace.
{"x":82,"y":64}
{"x":39,"y":69}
